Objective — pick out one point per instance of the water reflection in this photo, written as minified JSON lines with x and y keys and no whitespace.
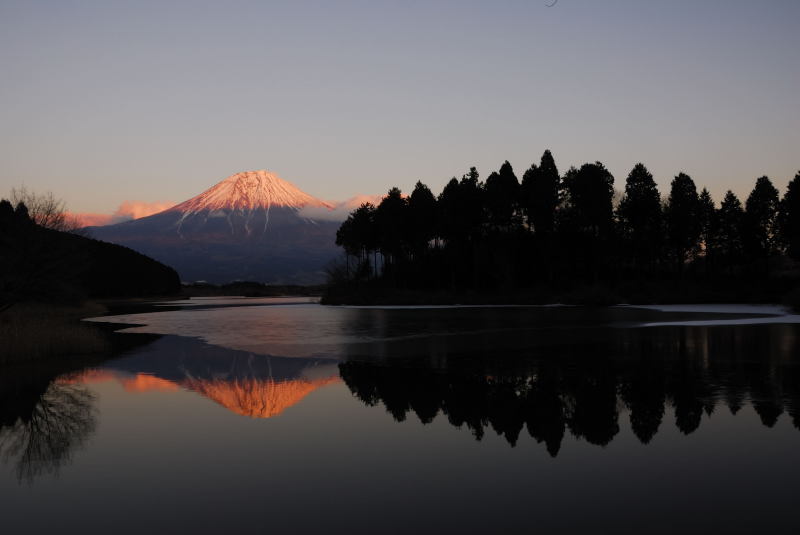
{"x":188,"y":436}
{"x":47,"y":414}
{"x":584,"y":385}
{"x":248,"y":384}
{"x":44,"y":418}
{"x":39,"y":433}
{"x":551,"y":375}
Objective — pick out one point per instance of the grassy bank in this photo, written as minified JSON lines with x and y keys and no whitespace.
{"x":37,"y":331}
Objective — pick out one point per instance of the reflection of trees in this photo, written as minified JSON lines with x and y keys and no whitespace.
{"x":691,"y":370}
{"x":43,"y":438}
{"x":45,"y":415}
{"x":506,"y":404}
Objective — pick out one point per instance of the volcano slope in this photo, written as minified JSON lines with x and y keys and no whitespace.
{"x":250,"y":226}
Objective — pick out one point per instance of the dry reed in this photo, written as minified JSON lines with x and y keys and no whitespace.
{"x":33,"y":331}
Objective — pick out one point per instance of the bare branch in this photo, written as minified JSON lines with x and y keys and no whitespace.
{"x":45,"y":209}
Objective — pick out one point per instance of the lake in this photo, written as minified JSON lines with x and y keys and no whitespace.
{"x":269,"y":415}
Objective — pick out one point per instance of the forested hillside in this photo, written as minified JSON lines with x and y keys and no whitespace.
{"x":47,"y":265}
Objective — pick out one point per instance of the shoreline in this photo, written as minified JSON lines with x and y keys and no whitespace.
{"x":48,"y":333}
{"x":671,"y":293}
{"x":41,"y":332}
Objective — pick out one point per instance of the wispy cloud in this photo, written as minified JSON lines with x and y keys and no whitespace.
{"x":125,"y":212}
{"x":341,"y":209}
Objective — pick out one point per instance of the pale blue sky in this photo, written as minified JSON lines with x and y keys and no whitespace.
{"x":107,"y":101}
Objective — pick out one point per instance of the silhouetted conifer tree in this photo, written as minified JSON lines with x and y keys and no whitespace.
{"x":358,"y":236}
{"x":502,"y":192}
{"x":460,"y":207}
{"x":346,"y":240}
{"x":589,"y":191}
{"x":683,"y":220}
{"x":450,"y":208}
{"x":421,"y":217}
{"x":391,"y":220}
{"x":472,"y":196}
{"x":527,"y":197}
{"x":539,"y":194}
{"x":761,"y":220}
{"x":707,"y":219}
{"x":640,"y":216}
{"x":730,"y":221}
{"x":790,"y":218}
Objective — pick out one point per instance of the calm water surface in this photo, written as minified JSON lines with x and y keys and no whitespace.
{"x":284,"y":415}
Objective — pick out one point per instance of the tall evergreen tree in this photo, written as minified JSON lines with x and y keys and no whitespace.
{"x":683,"y":221}
{"x":640,"y":215}
{"x":502,"y":192}
{"x":539,"y":194}
{"x":391,"y":220}
{"x":460,"y":209}
{"x":706,"y":217}
{"x":473,"y":199}
{"x":588,"y":207}
{"x":730,"y":222}
{"x":365,"y":230}
{"x":761,"y":219}
{"x":345,"y":237}
{"x":449,"y":205}
{"x":789,"y":225}
{"x":421,"y":216}
{"x":358,"y":236}
{"x":461,"y":215}
{"x":527,"y":197}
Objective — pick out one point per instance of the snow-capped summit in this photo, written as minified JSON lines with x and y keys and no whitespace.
{"x":251,"y":226}
{"x":250,"y":190}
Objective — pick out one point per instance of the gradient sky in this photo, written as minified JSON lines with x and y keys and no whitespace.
{"x":110,"y":101}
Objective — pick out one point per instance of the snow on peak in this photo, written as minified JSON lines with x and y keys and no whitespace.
{"x":251,"y":190}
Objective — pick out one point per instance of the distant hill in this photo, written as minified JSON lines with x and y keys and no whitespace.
{"x":48,"y":265}
{"x":251,"y":226}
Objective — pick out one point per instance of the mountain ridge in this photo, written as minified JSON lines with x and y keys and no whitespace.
{"x":248,"y":226}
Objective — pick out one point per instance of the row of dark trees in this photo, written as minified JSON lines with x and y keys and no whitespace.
{"x":506,"y":232}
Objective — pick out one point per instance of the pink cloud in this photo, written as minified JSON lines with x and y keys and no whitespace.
{"x":354,"y":202}
{"x":138,"y":209}
{"x":125,"y":212}
{"x":91,"y":220}
{"x":341,"y":209}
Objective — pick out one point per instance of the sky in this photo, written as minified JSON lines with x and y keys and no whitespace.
{"x":110,"y":102}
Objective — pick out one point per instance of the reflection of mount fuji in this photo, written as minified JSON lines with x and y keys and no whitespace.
{"x":251,"y":385}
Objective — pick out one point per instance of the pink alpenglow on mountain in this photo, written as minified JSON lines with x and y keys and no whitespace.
{"x":251,"y":226}
{"x":251,"y":190}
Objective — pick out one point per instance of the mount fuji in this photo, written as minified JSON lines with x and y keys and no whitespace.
{"x":250,"y":226}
